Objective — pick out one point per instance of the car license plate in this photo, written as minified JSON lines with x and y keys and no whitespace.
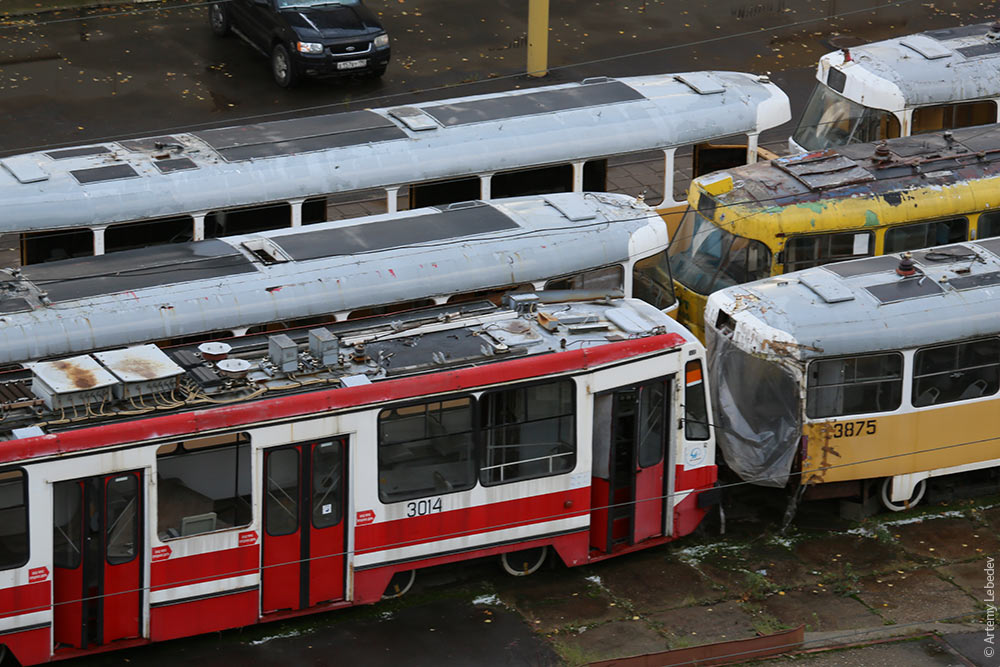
{"x":352,"y":64}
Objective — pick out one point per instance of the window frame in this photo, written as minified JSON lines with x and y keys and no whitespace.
{"x":916,"y":377}
{"x":25,"y":496}
{"x":815,"y":261}
{"x":810,"y":388}
{"x":910,"y":226}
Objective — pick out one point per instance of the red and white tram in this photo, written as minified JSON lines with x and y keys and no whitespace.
{"x":150,"y":494}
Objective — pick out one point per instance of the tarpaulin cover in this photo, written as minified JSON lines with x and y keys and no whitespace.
{"x":756,"y":406}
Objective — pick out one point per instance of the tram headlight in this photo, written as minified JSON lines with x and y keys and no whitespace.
{"x":310,"y":47}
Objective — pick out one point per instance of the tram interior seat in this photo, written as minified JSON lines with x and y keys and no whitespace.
{"x":198,"y":523}
{"x":928,"y":396}
{"x":974,"y":390}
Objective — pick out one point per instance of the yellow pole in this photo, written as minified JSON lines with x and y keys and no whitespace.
{"x":538,"y":37}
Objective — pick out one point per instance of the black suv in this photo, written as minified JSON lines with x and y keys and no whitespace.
{"x":307,"y":37}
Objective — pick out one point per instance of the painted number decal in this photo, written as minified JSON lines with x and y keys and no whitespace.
{"x":422,"y":507}
{"x":851,"y":429}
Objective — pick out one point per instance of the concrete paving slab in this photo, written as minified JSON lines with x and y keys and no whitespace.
{"x":617,"y":639}
{"x":652,"y":581}
{"x":917,"y":596}
{"x":923,"y":652}
{"x":975,"y":647}
{"x":706,"y":624}
{"x":969,"y":576}
{"x":837,"y":555}
{"x":948,"y":538}
{"x":821,"y":610}
{"x":557,"y":600}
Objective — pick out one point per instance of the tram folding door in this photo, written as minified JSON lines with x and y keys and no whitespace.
{"x":304,"y":529}
{"x":629,"y":492}
{"x":97,"y":546}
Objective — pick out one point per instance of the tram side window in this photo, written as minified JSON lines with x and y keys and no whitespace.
{"x":538,"y":181}
{"x":344,"y":205}
{"x":956,"y":372}
{"x":634,"y":173}
{"x":203,"y":485}
{"x":13,"y":519}
{"x":925,"y":235}
{"x":248,"y":220}
{"x":445,"y":192}
{"x":38,"y":247}
{"x":803,"y":252}
{"x":425,"y":450}
{"x":651,"y":281}
{"x":148,"y":232}
{"x":949,"y":116}
{"x":604,"y":278}
{"x":989,"y":225}
{"x":527,"y":432}
{"x":695,"y":408}
{"x":854,"y":385}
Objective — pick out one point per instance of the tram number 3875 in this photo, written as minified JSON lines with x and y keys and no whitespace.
{"x":854,"y":428}
{"x":422,"y":507}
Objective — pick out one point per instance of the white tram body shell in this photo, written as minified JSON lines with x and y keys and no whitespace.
{"x":852,"y":371}
{"x":169,"y":291}
{"x":281,"y":161}
{"x":249,"y":493}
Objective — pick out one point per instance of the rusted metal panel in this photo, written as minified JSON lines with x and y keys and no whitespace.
{"x":721,"y":653}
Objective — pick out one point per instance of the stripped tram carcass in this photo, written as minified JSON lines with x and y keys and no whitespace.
{"x":158,"y":493}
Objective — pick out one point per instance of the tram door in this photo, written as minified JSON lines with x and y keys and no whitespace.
{"x":631,"y":465}
{"x":304,"y":529}
{"x":97,"y":546}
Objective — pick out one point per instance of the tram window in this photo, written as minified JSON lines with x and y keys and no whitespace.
{"x":989,"y":225}
{"x":317,"y":320}
{"x":956,"y":372}
{"x":949,"y":116}
{"x":634,"y":173}
{"x":803,"y":252}
{"x":195,"y":338}
{"x":203,"y":485}
{"x":651,"y":423}
{"x":925,"y":235}
{"x":343,"y":205}
{"x":604,"y":278}
{"x":527,"y":432}
{"x":495,"y":296}
{"x":695,"y":409}
{"x":123,"y":519}
{"x":38,"y":247}
{"x":445,"y":192}
{"x":248,"y":220}
{"x":148,"y":232}
{"x":425,"y":450}
{"x":854,"y":385}
{"x":13,"y":519}
{"x":557,"y":178}
{"x":281,"y":507}
{"x":391,"y":308}
{"x":327,"y":463}
{"x":67,"y":498}
{"x":651,"y":281}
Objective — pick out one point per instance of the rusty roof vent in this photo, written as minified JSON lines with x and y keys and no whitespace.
{"x":882,"y":153}
{"x":906,"y":267}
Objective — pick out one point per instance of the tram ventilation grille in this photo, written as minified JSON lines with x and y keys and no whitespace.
{"x":17,"y":394}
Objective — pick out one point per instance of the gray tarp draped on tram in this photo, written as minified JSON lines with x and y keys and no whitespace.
{"x":756,"y":413}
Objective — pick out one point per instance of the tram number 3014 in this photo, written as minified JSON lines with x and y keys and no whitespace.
{"x":854,"y":428}
{"x":422,"y":507}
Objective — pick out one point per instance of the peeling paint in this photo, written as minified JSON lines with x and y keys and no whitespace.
{"x":871,"y":218}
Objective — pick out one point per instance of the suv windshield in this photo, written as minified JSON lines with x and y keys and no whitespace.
{"x":706,"y":258}
{"x":833,"y":120}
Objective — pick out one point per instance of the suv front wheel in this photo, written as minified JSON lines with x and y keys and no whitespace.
{"x":218,"y":17}
{"x":282,"y":66}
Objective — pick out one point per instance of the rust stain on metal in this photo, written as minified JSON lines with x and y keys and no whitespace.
{"x":787,"y":348}
{"x":141,"y":367}
{"x":81,"y":378}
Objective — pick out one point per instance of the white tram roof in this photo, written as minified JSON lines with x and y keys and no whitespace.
{"x":335,"y":358}
{"x":863,"y":305}
{"x":933,"y":67}
{"x":169,"y":291}
{"x":208,"y":170}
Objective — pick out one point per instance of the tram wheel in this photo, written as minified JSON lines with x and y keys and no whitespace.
{"x":523,"y":563}
{"x":918,"y":493}
{"x":400,"y":584}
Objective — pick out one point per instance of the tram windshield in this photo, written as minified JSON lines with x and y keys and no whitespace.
{"x":706,"y":258}
{"x":832,"y":120}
